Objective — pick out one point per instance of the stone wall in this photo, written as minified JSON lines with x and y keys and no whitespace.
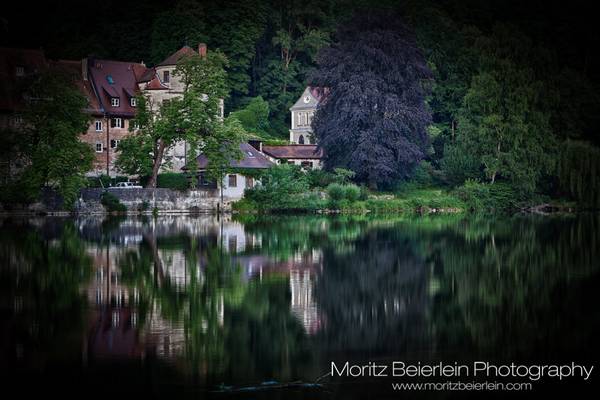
{"x":165,"y":200}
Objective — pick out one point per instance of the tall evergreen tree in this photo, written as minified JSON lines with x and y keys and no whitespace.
{"x":374,"y":118}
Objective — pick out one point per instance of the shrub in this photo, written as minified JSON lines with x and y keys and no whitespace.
{"x":318,"y":178}
{"x":352,"y":193}
{"x":112,"y":203}
{"x":172,"y":180}
{"x":342,"y":175}
{"x":282,"y":187}
{"x":336,"y":191}
{"x":487,"y":197}
{"x":364,"y":193}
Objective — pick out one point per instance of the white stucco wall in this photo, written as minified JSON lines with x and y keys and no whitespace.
{"x":236,"y":192}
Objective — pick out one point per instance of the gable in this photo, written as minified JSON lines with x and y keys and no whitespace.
{"x":306,"y":101}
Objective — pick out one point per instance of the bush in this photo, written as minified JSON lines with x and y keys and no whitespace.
{"x":487,"y":197}
{"x":282,"y":187}
{"x":352,"y":193}
{"x":336,"y":191}
{"x":172,"y":180}
{"x":342,"y":175}
{"x":112,"y":203}
{"x":364,"y":193}
{"x":318,"y":178}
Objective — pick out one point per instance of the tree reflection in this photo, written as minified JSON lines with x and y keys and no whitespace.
{"x":279,"y":297}
{"x":42,"y":304}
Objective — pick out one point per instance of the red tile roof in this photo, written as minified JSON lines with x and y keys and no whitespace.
{"x":142,"y":73}
{"x":155,"y":84}
{"x":252,"y":159}
{"x":175,"y":57}
{"x":308,"y":151}
{"x":74,"y":68}
{"x":114,"y":79}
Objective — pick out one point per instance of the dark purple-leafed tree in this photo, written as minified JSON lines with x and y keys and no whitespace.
{"x":373,"y":118}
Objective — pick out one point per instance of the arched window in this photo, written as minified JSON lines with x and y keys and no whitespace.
{"x":301,"y":139}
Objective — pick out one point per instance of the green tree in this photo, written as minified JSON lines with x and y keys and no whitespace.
{"x":176,"y":27}
{"x":235,"y":28}
{"x":190,"y":117}
{"x":221,"y":148}
{"x":53,"y":121}
{"x":296,"y":34}
{"x":254,"y":116}
{"x":504,"y":121}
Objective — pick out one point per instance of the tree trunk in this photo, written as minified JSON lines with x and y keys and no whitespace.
{"x":156,"y":166}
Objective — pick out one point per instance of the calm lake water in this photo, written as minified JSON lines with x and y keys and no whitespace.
{"x":260,"y":307}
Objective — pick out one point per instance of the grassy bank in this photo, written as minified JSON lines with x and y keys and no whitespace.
{"x":423,"y":200}
{"x":348,"y":198}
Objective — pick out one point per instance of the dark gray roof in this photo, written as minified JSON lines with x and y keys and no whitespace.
{"x":252,"y":159}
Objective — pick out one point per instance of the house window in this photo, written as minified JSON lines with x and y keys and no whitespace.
{"x":166,"y":76}
{"x":306,"y":164}
{"x":19,"y":70}
{"x":98,"y":147}
{"x":114,"y":143}
{"x":136,"y":125}
{"x":232,"y":180}
{"x":116,"y":122}
{"x":98,"y":126}
{"x":114,"y":101}
{"x":302,"y":119}
{"x":301,"y":139}
{"x":133,"y":102}
{"x":249,"y":182}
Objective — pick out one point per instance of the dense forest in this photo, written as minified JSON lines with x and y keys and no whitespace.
{"x":510,"y":89}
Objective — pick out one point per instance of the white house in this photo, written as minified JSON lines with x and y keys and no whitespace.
{"x":235,"y":183}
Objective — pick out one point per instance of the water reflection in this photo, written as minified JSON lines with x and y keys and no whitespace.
{"x":243,"y":301}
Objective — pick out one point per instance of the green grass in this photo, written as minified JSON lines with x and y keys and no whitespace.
{"x":406,"y":201}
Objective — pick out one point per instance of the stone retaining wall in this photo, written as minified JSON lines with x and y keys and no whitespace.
{"x":162,"y":199}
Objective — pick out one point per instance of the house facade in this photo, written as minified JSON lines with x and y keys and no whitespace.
{"x":235,"y":183}
{"x":164,"y":84}
{"x":16,"y":67}
{"x":302,"y":113}
{"x":112,"y":107}
{"x":302,"y":149}
{"x":115,"y":85}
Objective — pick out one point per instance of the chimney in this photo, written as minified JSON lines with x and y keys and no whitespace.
{"x":84,"y":69}
{"x":202,"y":49}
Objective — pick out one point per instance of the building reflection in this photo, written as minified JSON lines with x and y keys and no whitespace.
{"x":125,"y":321}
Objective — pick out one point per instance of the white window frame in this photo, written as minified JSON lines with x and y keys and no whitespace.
{"x":116,"y":142}
{"x":115,"y":101}
{"x":133,"y":102}
{"x":136,"y":125}
{"x":98,"y":125}
{"x":118,"y":122}
{"x":101,"y":147}
{"x":19,"y":70}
